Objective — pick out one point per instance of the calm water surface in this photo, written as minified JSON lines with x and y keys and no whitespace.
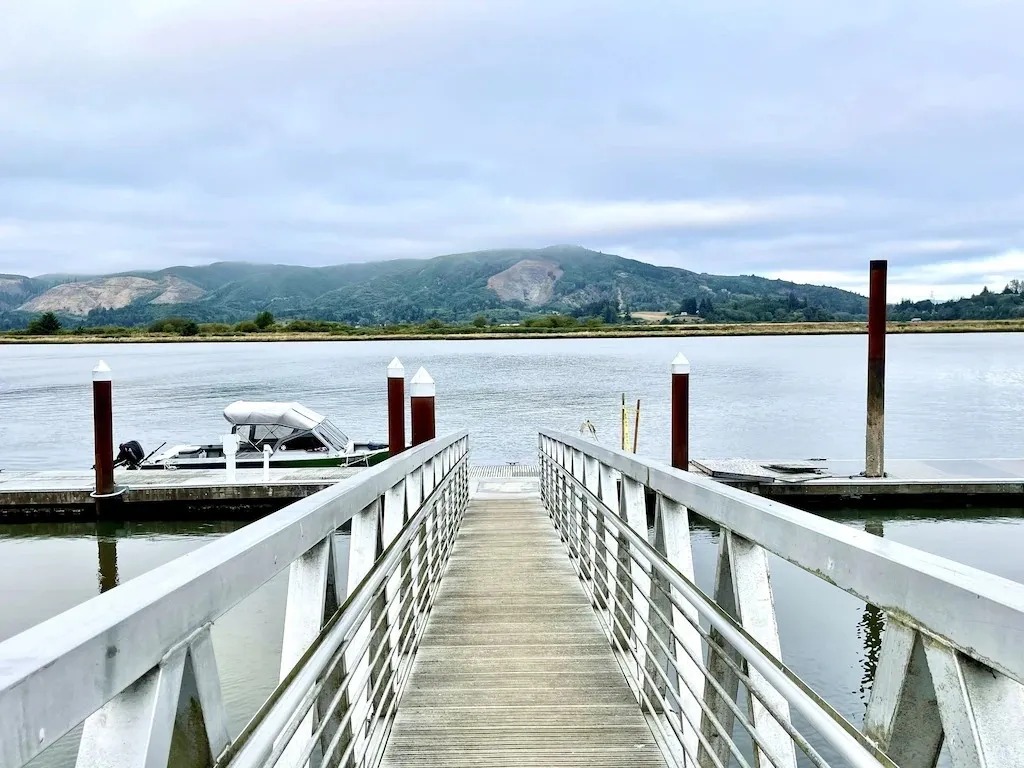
{"x":948,"y":397}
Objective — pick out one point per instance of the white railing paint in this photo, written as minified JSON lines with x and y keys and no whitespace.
{"x":952,"y":659}
{"x":119,"y":660}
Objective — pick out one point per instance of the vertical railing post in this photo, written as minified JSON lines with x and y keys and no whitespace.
{"x":396,"y":407}
{"x":680,"y":412}
{"x":874,"y":463}
{"x":417,"y":548}
{"x":609,"y":496}
{"x":595,"y":545}
{"x":422,"y":392}
{"x":391,"y":525}
{"x":743,"y":590}
{"x":309,"y":579}
{"x":362,"y":553}
{"x":103,"y":430}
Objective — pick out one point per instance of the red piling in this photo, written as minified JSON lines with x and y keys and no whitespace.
{"x":874,"y":462}
{"x":103,"y":428}
{"x":396,"y":407}
{"x":681,"y":413}
{"x":422,"y":391}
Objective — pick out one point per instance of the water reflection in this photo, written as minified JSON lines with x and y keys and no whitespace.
{"x":106,"y":544}
{"x":870,"y":629}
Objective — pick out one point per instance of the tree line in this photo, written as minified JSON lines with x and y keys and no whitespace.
{"x":724,"y":308}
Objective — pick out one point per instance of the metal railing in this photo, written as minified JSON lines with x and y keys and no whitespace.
{"x":708,"y":671}
{"x":137,"y":665}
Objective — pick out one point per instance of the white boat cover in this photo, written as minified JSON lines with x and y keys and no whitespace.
{"x":283,"y":414}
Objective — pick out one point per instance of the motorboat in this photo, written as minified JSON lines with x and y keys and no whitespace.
{"x":295,"y":435}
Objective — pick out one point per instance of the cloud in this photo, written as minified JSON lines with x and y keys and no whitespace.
{"x":801,"y":137}
{"x":938,"y":280}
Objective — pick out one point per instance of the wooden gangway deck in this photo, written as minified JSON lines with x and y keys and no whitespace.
{"x":514,"y":668}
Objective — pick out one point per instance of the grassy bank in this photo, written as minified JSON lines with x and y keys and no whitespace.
{"x":141,"y":335}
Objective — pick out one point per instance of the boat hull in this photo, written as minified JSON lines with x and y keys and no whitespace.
{"x":368,"y":459}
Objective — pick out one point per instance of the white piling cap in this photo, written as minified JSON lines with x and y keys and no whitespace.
{"x":396,"y":370}
{"x":680,"y":364}
{"x":422,"y":384}
{"x":102,"y":372}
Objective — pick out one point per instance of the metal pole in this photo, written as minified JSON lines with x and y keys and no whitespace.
{"x":396,"y":407}
{"x":622,"y":414}
{"x":874,"y":463}
{"x":681,"y":412}
{"x":421,"y":407}
{"x":103,"y":429}
{"x":636,"y":426}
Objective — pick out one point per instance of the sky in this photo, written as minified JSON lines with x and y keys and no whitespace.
{"x":796,"y":139}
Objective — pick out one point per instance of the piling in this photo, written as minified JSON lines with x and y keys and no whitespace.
{"x":396,"y":407}
{"x":681,"y":412}
{"x":874,"y":462}
{"x":267,"y":450}
{"x":103,"y":430}
{"x":421,"y":406}
{"x":230,"y":443}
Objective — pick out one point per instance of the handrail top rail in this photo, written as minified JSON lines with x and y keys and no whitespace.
{"x":824,"y":718}
{"x":977,"y":612}
{"x":96,"y":649}
{"x":253,"y":744}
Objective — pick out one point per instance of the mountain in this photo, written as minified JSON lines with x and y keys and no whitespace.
{"x":500,"y":283}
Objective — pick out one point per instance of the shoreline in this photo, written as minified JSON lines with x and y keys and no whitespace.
{"x":722,"y":329}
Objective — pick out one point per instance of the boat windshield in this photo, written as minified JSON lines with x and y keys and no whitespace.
{"x":263,"y":434}
{"x":331,"y":434}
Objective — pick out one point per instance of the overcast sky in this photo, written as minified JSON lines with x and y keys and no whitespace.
{"x":792,"y":138}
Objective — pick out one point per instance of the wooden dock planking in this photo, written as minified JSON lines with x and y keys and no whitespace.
{"x":514,"y":668}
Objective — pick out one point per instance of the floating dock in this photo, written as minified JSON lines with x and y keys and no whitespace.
{"x":168,"y":494}
{"x":69,"y":493}
{"x":831,"y":481}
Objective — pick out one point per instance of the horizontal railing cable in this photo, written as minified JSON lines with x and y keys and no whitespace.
{"x":256,"y":742}
{"x":720,"y":652}
{"x":842,"y":736}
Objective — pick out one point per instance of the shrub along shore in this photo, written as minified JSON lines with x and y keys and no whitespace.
{"x":265,"y":328}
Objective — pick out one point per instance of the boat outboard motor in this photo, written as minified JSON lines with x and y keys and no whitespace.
{"x":130,"y":455}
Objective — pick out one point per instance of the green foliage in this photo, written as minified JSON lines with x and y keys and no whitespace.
{"x":310,"y":326}
{"x":180,"y":326}
{"x":433,"y":324}
{"x":987,"y":305}
{"x":46,"y":324}
{"x":552,"y":321}
{"x":246,"y":326}
{"x":451,"y":290}
{"x":480,"y":321}
{"x":214,"y":329}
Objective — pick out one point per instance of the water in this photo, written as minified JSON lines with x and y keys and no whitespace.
{"x":948,"y":397}
{"x":779,"y":397}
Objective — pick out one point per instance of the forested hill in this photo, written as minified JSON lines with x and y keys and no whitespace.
{"x":501,"y":284}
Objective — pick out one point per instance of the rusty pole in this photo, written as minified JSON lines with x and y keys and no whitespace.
{"x":681,"y":412}
{"x":396,"y":407}
{"x":874,"y":462}
{"x":103,"y":429}
{"x":421,"y":407}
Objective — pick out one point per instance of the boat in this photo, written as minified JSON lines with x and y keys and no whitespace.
{"x":296,"y":436}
